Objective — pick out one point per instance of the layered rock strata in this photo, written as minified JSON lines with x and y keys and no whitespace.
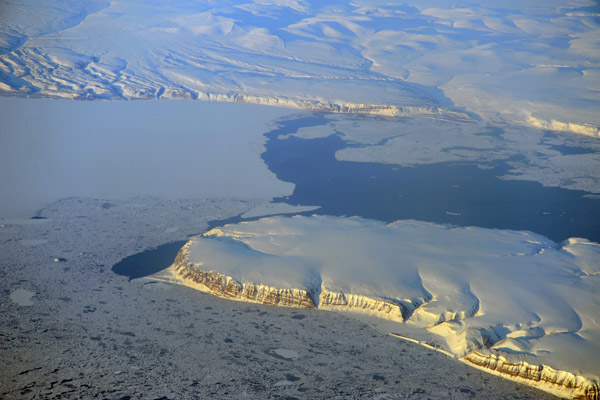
{"x":315,"y":297}
{"x":561,"y":383}
{"x":319,"y":263}
{"x":227,"y":287}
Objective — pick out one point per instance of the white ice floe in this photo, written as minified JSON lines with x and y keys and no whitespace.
{"x":22,"y":297}
{"x":471,"y":291}
{"x":288,"y":354}
{"x":530,"y":63}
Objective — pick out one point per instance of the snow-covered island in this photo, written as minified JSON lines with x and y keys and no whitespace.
{"x":512,"y":303}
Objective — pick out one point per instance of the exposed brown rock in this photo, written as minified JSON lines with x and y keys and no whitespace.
{"x":384,"y":309}
{"x":561,"y":383}
{"x":225,"y":286}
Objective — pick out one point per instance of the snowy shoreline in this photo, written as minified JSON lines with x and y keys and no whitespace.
{"x":92,"y":333}
{"x":503,"y":301}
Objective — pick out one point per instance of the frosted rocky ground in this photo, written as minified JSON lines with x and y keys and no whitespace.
{"x":93,"y":333}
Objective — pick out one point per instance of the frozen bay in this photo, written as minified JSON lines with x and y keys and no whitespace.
{"x":52,"y":149}
{"x":318,"y":138}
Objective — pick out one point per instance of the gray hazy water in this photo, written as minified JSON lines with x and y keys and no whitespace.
{"x":53,"y":149}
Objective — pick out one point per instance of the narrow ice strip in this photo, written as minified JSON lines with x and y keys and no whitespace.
{"x":482,"y":294}
{"x":276,"y":208}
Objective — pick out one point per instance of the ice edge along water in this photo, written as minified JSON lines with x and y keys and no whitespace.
{"x":305,"y":262}
{"x":342,"y":107}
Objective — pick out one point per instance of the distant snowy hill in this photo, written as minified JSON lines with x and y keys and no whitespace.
{"x":526,"y":62}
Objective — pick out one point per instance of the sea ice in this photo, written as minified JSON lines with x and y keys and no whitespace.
{"x":52,"y":149}
{"x":22,"y":297}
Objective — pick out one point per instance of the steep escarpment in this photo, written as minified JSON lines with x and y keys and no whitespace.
{"x":511,"y":303}
{"x":561,"y":383}
{"x":227,"y":287}
{"x":310,"y":296}
{"x":388,"y":110}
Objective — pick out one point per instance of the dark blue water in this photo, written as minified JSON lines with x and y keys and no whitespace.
{"x":148,"y":262}
{"x":458,"y":193}
{"x":565,"y":150}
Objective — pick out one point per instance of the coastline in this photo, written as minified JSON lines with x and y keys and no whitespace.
{"x":563,"y":384}
{"x":87,"y":319}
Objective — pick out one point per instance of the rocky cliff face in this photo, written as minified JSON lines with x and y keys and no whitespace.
{"x":311,"y":297}
{"x":560,"y":383}
{"x":386,"y":309}
{"x":227,"y":287}
{"x":388,"y":110}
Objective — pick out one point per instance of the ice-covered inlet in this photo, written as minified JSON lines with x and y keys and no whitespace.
{"x":505,"y":301}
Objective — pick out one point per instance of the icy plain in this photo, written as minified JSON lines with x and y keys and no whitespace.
{"x":52,"y":149}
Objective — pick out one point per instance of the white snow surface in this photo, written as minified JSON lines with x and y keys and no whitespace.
{"x":514,"y":293}
{"x":533,"y":63}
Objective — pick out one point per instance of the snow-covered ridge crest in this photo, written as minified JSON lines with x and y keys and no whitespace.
{"x":582,"y":129}
{"x":473,"y":293}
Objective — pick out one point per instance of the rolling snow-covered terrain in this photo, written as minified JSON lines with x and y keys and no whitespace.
{"x":472,"y":291}
{"x":533,"y":63}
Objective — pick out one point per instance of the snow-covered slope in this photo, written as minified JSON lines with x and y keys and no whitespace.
{"x":505,"y":301}
{"x":533,"y":63}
